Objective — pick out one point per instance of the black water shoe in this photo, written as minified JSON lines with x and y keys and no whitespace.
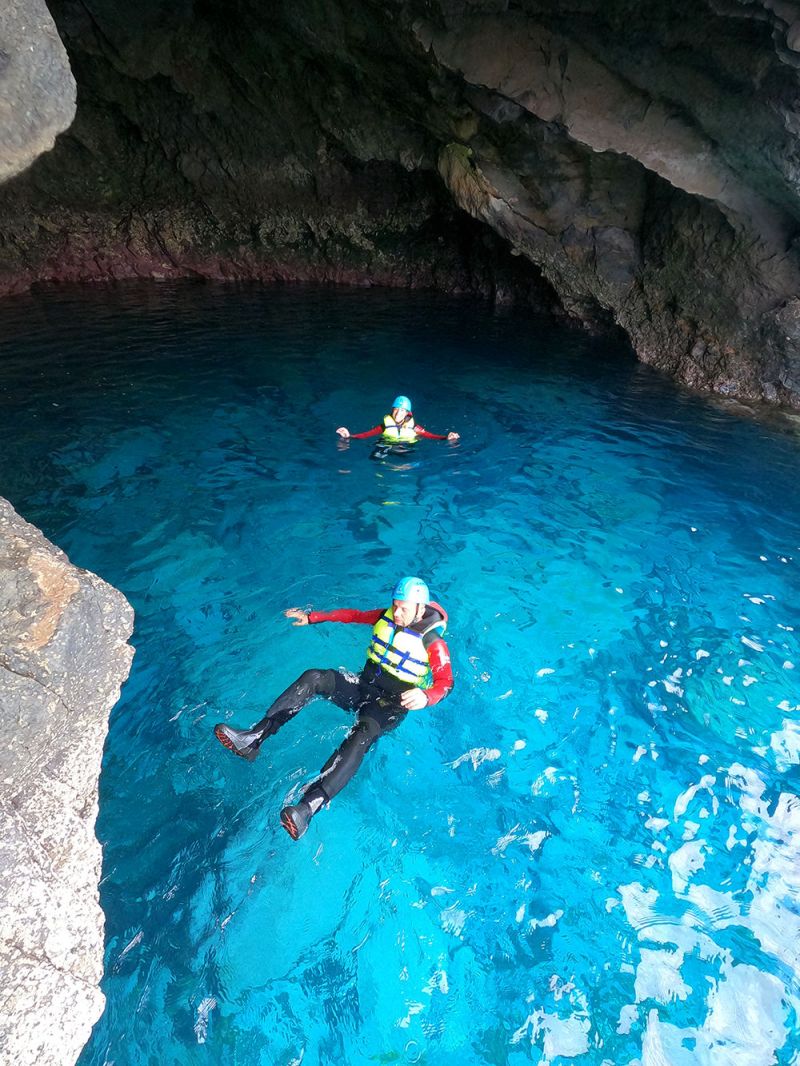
{"x":242,"y":742}
{"x":295,"y":819}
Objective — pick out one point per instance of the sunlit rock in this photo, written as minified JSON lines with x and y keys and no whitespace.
{"x":63,"y":656}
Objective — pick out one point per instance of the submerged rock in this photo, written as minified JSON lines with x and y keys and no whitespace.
{"x":63,"y":657}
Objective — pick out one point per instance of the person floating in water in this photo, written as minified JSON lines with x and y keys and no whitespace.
{"x":397,"y":428}
{"x":407,"y":668}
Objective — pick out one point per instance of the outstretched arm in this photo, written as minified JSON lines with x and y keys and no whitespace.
{"x":346,"y":614}
{"x":420,"y":432}
{"x":343,"y":431}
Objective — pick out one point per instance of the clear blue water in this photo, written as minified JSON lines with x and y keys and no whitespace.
{"x":591,"y":851}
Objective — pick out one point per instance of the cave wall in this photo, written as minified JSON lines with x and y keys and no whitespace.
{"x":631,"y":164}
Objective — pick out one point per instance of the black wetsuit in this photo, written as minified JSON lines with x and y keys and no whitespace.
{"x":373,"y":694}
{"x":377,"y":712}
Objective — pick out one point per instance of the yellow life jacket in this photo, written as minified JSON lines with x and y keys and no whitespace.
{"x":398,"y":433}
{"x":400,"y":651}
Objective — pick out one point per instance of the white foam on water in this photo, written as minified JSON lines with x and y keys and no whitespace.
{"x":639,"y":903}
{"x":131,"y":945}
{"x":201,"y":1025}
{"x":656,"y":824}
{"x":746,"y":1020}
{"x":658,"y":977}
{"x":752,"y":644}
{"x":502,"y":842}
{"x":786,"y":745}
{"x":453,"y":919}
{"x":535,"y":840}
{"x":733,"y":837}
{"x":662,"y":1044}
{"x":682,"y":802}
{"x":627,"y":1016}
{"x":685,"y":862}
{"x":476,"y":756}
{"x":564,"y":1037}
{"x":721,"y":907}
{"x":546,"y":923}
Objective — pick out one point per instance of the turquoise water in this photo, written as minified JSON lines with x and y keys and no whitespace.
{"x":591,"y":851}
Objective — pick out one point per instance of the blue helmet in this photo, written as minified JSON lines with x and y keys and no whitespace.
{"x":402,"y":401}
{"x":412,"y":589}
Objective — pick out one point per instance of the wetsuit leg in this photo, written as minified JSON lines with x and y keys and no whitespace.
{"x":342,"y":689}
{"x":309,"y":684}
{"x":373,"y":721}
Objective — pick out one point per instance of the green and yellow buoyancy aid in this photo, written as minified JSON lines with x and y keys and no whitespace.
{"x":400,"y":650}
{"x":402,"y":433}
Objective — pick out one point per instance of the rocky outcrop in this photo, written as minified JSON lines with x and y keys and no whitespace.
{"x":37,"y":90}
{"x":609,"y":153}
{"x":634,"y":164}
{"x":63,"y":657}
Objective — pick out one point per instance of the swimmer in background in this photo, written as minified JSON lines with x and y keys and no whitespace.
{"x":407,"y":669}
{"x":397,"y":431}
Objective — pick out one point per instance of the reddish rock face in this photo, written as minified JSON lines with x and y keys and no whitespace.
{"x":627,"y":163}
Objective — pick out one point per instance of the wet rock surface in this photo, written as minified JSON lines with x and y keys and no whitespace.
{"x":631,"y":164}
{"x":63,"y":657}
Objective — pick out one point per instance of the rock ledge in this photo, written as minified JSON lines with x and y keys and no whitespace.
{"x":63,"y":657}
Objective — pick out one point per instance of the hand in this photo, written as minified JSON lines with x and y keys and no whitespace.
{"x":301,"y":617}
{"x":414,"y":699}
{"x":343,"y":431}
{"x":454,"y":436}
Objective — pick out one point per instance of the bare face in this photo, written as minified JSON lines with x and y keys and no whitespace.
{"x":400,"y":414}
{"x":406,"y":612}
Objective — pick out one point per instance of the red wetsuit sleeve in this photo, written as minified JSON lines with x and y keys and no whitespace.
{"x":439,"y":657}
{"x":367,"y":433}
{"x":420,"y":432}
{"x":346,"y":614}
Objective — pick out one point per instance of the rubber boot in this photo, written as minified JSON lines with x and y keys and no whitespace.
{"x":295,"y":818}
{"x":243,"y":742}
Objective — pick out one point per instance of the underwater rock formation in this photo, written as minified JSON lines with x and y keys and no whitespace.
{"x":633,"y":164}
{"x":63,"y":657}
